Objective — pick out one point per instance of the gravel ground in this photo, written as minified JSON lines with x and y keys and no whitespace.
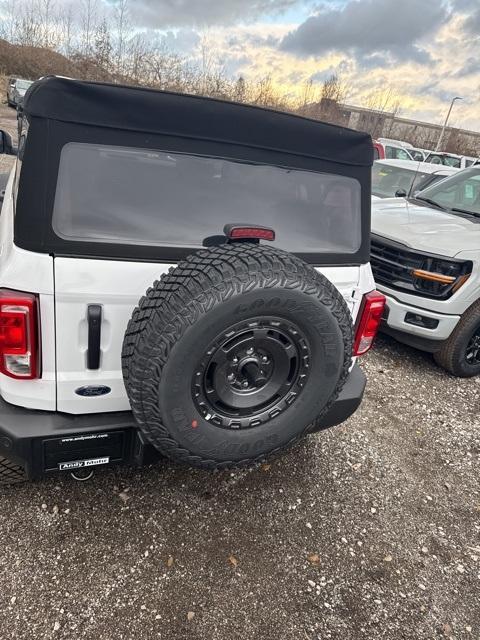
{"x":370,"y":530}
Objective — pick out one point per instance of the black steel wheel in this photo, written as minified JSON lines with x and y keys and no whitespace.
{"x":251,"y":373}
{"x":234,"y":354}
{"x":472,"y":352}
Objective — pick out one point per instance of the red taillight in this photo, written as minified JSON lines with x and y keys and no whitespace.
{"x":370,"y":317}
{"x":246,"y":232}
{"x":18,"y":335}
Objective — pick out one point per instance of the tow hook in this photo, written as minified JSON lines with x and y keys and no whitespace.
{"x":80,"y":476}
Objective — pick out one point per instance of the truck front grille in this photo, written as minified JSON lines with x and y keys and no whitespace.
{"x":393,"y":266}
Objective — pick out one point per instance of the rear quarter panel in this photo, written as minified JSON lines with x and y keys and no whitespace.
{"x":31,"y":272}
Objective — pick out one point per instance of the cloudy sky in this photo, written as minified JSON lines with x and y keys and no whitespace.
{"x":427,"y":51}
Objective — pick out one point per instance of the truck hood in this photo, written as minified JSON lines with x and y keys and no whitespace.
{"x":424,"y":228}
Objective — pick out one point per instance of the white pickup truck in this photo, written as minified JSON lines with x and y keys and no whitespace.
{"x":426,"y":260}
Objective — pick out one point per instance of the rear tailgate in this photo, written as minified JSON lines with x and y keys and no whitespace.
{"x":115,"y":286}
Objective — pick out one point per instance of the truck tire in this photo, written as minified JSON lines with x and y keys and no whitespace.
{"x":10,"y":473}
{"x":460,"y":354}
{"x":234,"y":353}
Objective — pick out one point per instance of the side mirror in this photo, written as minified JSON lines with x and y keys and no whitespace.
{"x":6,"y":144}
{"x":400,"y":193}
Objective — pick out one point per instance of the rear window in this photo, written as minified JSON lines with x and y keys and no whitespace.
{"x":145,"y":197}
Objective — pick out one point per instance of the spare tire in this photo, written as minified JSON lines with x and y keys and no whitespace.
{"x":234,"y":353}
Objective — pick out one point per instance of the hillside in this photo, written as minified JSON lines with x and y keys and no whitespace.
{"x":34,"y":62}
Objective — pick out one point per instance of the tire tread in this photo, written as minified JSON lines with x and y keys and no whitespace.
{"x":449,"y":355}
{"x":186,"y":292}
{"x":10,"y":473}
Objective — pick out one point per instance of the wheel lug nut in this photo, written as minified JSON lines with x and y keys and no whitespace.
{"x":245,"y":384}
{"x":235,"y":360}
{"x":264,"y":359}
{"x":231,"y":377}
{"x":250,"y":351}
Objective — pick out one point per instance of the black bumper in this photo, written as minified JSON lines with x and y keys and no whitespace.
{"x":347,"y":402}
{"x":43,"y":442}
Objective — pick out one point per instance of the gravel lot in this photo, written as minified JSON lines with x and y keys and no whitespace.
{"x":370,"y":530}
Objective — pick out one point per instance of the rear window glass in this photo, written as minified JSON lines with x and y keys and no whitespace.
{"x":157,"y":198}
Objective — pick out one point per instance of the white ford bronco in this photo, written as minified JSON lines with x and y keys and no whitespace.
{"x":426,"y":260}
{"x":179,"y":276}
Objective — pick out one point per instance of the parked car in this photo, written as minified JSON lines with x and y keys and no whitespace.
{"x":16,"y":89}
{"x":400,"y":178}
{"x":234,"y":353}
{"x":447,"y":159}
{"x":426,"y":260}
{"x":452,"y":160}
{"x":418,"y":154}
{"x":397,"y":143}
{"x":6,"y":144}
{"x":390,"y":151}
{"x":469,"y":161}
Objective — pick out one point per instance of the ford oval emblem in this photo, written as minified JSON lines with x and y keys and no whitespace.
{"x":91,"y":391}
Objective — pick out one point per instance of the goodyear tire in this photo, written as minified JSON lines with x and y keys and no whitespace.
{"x":232,"y":355}
{"x":10,"y":473}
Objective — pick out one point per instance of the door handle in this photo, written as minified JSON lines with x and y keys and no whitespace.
{"x":94,"y":320}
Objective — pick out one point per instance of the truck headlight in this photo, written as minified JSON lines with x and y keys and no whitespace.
{"x":441,"y":278}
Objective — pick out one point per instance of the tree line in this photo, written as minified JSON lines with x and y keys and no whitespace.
{"x":90,"y":40}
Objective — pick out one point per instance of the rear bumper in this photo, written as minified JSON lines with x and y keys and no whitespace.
{"x":347,"y":402}
{"x":43,"y":442}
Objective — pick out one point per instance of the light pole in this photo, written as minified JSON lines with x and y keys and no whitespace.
{"x":446,"y":122}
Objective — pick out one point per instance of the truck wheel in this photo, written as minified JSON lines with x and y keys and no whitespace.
{"x":234,"y":353}
{"x":10,"y":473}
{"x":460,"y":354}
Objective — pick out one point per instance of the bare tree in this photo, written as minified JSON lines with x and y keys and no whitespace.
{"x":135,"y":61}
{"x":384,"y":107}
{"x":102,"y":52}
{"x":240,"y":90}
{"x":88,"y":17}
{"x":48,"y":19}
{"x":122,"y":28}
{"x":332,"y":97}
{"x":308,"y":97}
{"x":28,"y":25}
{"x":9,"y":23}
{"x":66,"y":30}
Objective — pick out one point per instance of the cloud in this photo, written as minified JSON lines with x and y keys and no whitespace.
{"x":469,"y":68}
{"x":472,"y":23}
{"x":163,"y":14}
{"x":369,"y":26}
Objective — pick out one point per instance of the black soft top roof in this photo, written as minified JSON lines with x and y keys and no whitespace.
{"x":186,"y":116}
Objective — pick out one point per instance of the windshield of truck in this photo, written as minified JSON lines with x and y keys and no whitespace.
{"x":459,"y":193}
{"x":158,"y":198}
{"x":387,"y":179}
